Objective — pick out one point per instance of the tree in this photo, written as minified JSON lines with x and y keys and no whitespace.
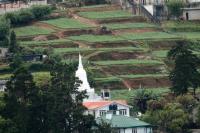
{"x":65,"y":109}
{"x":170,"y":119}
{"x":13,"y":47}
{"x":175,"y":7}
{"x":198,"y":117}
{"x":4,"y":31}
{"x":185,"y":73}
{"x":104,"y":127}
{"x":141,"y":97}
{"x":20,"y":99}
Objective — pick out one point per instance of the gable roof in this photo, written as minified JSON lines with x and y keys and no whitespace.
{"x":99,"y":104}
{"x":120,"y":121}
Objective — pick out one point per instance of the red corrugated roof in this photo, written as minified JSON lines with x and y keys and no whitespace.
{"x":98,"y":104}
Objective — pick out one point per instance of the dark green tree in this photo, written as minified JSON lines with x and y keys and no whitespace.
{"x":175,"y":7}
{"x":185,"y":74}
{"x":20,"y":99}
{"x":13,"y":47}
{"x":104,"y":127}
{"x":4,"y":31}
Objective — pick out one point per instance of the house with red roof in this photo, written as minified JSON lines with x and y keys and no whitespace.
{"x":101,"y":108}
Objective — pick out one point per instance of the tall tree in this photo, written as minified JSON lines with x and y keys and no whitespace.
{"x":20,"y":98}
{"x":13,"y":47}
{"x":4,"y":31}
{"x":185,"y":74}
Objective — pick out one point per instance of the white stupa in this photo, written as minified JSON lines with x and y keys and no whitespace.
{"x":84,"y":86}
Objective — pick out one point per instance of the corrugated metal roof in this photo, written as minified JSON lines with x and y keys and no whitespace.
{"x":120,"y":121}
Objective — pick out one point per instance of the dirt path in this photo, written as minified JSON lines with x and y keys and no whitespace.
{"x":84,"y":20}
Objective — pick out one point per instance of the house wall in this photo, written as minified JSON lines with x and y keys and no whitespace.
{"x":192,"y":14}
{"x":3,"y":52}
{"x":139,"y":130}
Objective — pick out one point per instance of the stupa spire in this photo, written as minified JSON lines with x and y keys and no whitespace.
{"x":80,"y":65}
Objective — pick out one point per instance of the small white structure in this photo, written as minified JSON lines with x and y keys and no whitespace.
{"x":101,"y":108}
{"x":191,"y":13}
{"x":2,"y":85}
{"x":3,"y":52}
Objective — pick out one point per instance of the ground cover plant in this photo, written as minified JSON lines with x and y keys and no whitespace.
{"x":181,"y":26}
{"x":48,"y":42}
{"x":160,"y":53}
{"x":128,"y":62}
{"x":96,"y":38}
{"x":189,"y":35}
{"x":32,"y":30}
{"x":75,"y":50}
{"x":106,"y":14}
{"x":115,"y":26}
{"x":149,"y":36}
{"x":67,"y":23}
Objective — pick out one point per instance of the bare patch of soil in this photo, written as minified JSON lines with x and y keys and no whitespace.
{"x":121,"y":31}
{"x":149,"y":82}
{"x":113,"y":44}
{"x":76,"y":32}
{"x":124,"y":69}
{"x":111,"y":85}
{"x":116,"y":56}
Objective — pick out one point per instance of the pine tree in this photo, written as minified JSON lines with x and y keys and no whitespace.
{"x":13,"y":47}
{"x":185,"y":73}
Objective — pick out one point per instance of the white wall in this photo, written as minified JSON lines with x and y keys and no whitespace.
{"x":149,"y":8}
{"x":193,"y":14}
{"x":139,"y":130}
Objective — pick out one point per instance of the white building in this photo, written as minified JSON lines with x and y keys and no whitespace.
{"x":101,"y":108}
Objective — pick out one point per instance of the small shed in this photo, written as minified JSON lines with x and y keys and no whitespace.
{"x":191,"y":13}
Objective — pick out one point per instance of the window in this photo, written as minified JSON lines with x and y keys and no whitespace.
{"x":145,"y":130}
{"x":134,"y":130}
{"x":122,"y":112}
{"x":102,"y":112}
{"x":107,"y":94}
{"x":113,"y":107}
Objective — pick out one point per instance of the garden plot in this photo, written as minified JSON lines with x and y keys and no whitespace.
{"x":128,"y":62}
{"x":96,"y":38}
{"x":118,"y":55}
{"x":160,"y":53}
{"x":117,"y":26}
{"x":149,"y":36}
{"x":67,"y":23}
{"x":189,"y":35}
{"x":32,"y":30}
{"x":106,"y":14}
{"x":53,"y":43}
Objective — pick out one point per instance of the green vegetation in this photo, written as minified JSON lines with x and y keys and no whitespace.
{"x":189,"y":35}
{"x":106,"y":14}
{"x":96,"y":38}
{"x":32,"y":30}
{"x":49,"y":42}
{"x":160,"y":53}
{"x":128,"y":62}
{"x":125,"y":94}
{"x":41,"y":78}
{"x":73,"y":50}
{"x":115,"y":26}
{"x":67,"y":23}
{"x":95,"y":6}
{"x":149,"y":36}
{"x":181,"y":26}
{"x":175,"y":7}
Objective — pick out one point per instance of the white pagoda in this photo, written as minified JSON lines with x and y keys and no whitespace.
{"x":84,"y":86}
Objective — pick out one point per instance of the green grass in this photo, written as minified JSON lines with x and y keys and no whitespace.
{"x":5,"y":76}
{"x":96,"y":38}
{"x":160,"y":53}
{"x":125,"y":94}
{"x":181,"y":26}
{"x":128,"y":62}
{"x":50,"y":42}
{"x":95,"y":6}
{"x":106,"y":14}
{"x":115,"y":26}
{"x":189,"y":35}
{"x":130,"y":76}
{"x":76,"y":50}
{"x":149,"y":36}
{"x":32,"y":30}
{"x":67,"y":23}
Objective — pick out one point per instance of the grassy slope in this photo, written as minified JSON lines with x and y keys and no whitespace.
{"x":32,"y":30}
{"x":115,"y":26}
{"x":41,"y":43}
{"x":67,"y":23}
{"x":105,"y":14}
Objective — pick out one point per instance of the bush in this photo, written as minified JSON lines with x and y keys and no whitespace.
{"x":40,"y":11}
{"x":174,"y":7}
{"x":4,"y":32}
{"x":25,"y":16}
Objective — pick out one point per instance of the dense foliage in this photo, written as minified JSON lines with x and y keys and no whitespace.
{"x":25,"y":16}
{"x":4,"y":32}
{"x":175,"y":7}
{"x":185,"y":74}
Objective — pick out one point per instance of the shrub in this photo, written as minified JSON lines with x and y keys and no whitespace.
{"x":4,"y":32}
{"x":40,"y":11}
{"x":25,"y":16}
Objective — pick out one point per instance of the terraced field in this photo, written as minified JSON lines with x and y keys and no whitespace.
{"x":132,"y":55}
